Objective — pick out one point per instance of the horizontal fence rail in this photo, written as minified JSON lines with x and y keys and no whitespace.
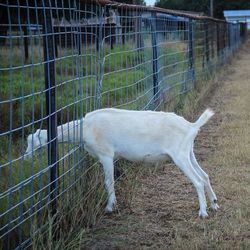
{"x":63,"y":59}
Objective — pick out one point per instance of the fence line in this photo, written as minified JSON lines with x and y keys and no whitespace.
{"x":62,"y":59}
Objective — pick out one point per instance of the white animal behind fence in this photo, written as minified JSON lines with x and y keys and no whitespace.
{"x":147,"y":136}
{"x":69,"y":132}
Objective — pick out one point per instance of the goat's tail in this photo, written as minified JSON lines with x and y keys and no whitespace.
{"x":207,"y":114}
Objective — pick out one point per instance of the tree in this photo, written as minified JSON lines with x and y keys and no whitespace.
{"x":204,"y":5}
{"x":230,"y":5}
{"x":136,"y":2}
{"x":189,"y":5}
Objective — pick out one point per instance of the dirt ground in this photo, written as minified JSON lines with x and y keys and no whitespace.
{"x":164,"y":211}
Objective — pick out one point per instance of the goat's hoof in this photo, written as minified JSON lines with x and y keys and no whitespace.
{"x":215,"y":206}
{"x":109,"y":209}
{"x":203,"y":214}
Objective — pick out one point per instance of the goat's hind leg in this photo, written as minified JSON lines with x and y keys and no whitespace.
{"x":211,"y":195}
{"x":184,"y":163}
{"x":108,"y":167}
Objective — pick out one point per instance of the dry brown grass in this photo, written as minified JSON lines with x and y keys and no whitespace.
{"x":224,"y":148}
{"x":163,"y":213}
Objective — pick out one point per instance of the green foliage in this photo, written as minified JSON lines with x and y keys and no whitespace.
{"x":121,"y":87}
{"x":121,"y":57}
{"x":137,"y":2}
{"x":221,"y":5}
{"x":204,"y":5}
{"x":189,"y":5}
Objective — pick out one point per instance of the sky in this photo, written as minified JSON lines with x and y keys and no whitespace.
{"x":150,"y":2}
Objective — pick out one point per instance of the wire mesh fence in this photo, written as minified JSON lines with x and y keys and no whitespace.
{"x":62,"y":59}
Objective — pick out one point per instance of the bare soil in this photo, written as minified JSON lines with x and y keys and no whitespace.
{"x":164,"y":210}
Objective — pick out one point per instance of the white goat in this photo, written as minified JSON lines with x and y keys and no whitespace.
{"x":144,"y":136}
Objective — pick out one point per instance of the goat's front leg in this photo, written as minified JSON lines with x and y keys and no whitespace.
{"x":108,"y":167}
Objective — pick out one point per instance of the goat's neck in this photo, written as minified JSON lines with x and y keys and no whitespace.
{"x":69,"y":132}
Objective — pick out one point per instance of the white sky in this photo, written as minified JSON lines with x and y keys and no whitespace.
{"x":150,"y":2}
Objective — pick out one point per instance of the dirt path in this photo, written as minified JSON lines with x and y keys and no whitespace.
{"x":164,"y":210}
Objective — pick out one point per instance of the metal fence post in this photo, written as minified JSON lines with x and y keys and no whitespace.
{"x":100,"y":74}
{"x":138,"y":30}
{"x":50,"y":87}
{"x":155,"y":58}
{"x":207,"y":43}
{"x":228,"y":37}
{"x":218,"y":40}
{"x":191,"y":51}
{"x":26,"y":41}
{"x":212,"y":40}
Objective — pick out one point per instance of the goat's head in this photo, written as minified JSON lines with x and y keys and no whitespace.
{"x":35,"y":141}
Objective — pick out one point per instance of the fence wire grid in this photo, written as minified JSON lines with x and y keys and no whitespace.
{"x":62,"y":59}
